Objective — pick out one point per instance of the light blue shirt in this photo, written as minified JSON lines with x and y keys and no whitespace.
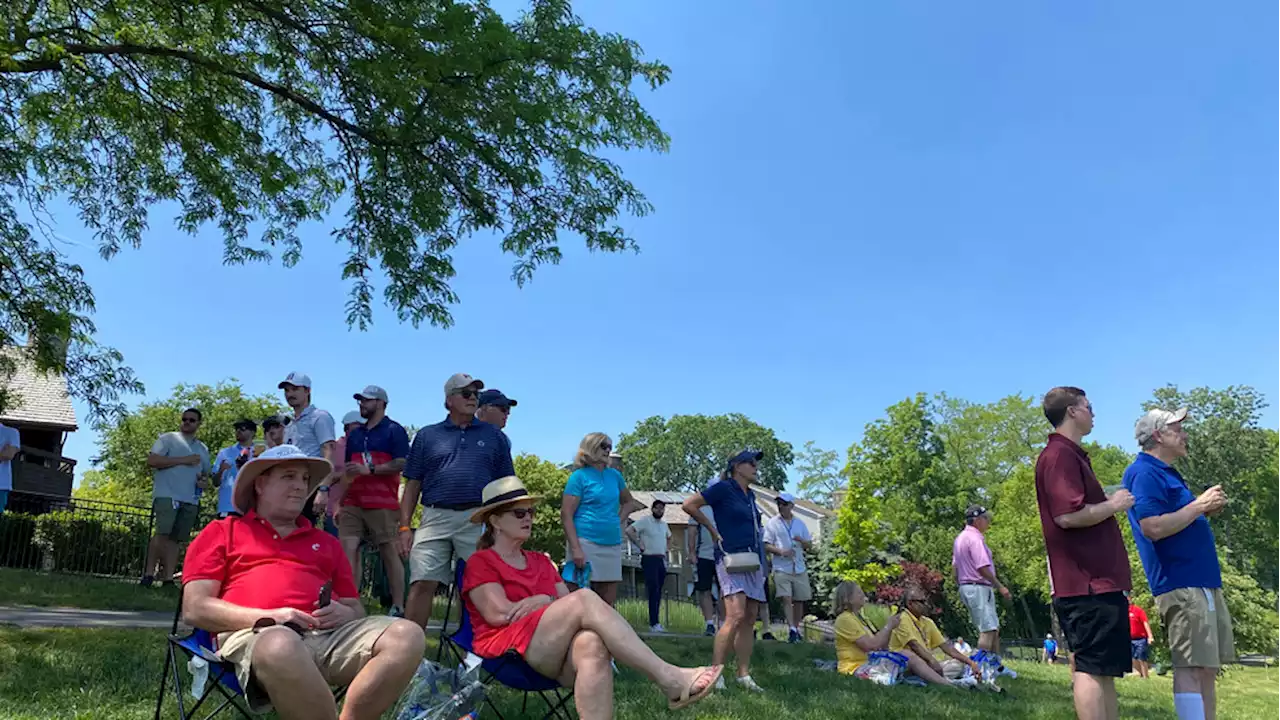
{"x":310,"y":431}
{"x":600,"y":497}
{"x":8,"y":436}
{"x":178,"y":482}
{"x":227,"y":490}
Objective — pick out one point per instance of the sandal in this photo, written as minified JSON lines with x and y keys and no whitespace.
{"x":688,"y":697}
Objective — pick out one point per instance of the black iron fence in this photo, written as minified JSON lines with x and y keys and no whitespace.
{"x":56,"y":533}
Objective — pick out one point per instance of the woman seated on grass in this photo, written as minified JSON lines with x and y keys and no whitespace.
{"x":519,"y":604}
{"x":855,"y":637}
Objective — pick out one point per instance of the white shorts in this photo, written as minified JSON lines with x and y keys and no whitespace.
{"x":981,"y":601}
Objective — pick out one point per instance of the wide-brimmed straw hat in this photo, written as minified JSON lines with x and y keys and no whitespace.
{"x":317,"y":470}
{"x":499,"y":494}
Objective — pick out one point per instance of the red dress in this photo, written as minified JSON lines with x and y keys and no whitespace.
{"x":538,"y":578}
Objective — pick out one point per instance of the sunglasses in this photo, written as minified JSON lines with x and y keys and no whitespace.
{"x":190,"y":420}
{"x":466,"y":394}
{"x":266,"y":622}
{"x":522,"y":513}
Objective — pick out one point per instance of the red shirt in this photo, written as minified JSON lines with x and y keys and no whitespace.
{"x":485,"y":566}
{"x":1137,"y":623}
{"x":260,"y":569}
{"x":378,"y":445}
{"x":1082,"y":561}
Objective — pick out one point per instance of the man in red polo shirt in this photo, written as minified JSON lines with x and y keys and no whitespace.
{"x":279,"y":595}
{"x":1088,"y":563}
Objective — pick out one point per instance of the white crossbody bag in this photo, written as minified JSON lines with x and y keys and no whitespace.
{"x":748,"y":561}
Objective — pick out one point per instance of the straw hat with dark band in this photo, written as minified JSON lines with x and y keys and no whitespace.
{"x":500,"y":494}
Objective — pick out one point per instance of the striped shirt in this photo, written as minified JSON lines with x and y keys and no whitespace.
{"x":454,"y":463}
{"x":310,"y":431}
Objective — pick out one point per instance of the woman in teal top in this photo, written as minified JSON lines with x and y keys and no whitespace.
{"x":596,"y":501}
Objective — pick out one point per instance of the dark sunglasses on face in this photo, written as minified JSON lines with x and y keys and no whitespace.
{"x":190,"y":420}
{"x":522,"y":513}
{"x":466,"y":394}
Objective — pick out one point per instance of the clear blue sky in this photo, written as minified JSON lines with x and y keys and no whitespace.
{"x":862,"y":201}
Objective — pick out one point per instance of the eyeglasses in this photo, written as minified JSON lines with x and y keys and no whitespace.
{"x":522,"y":513}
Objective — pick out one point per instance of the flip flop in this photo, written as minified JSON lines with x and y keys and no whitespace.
{"x":686,"y":699}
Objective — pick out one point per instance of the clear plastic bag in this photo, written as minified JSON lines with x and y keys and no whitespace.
{"x":882,"y":667}
{"x":990,"y":666}
{"x":440,"y":693}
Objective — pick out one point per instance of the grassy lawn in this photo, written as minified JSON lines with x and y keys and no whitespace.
{"x":113,"y":675}
{"x":28,"y":587}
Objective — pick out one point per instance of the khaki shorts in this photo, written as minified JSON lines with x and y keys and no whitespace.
{"x":175,"y":522}
{"x":381,"y":522}
{"x":442,"y":537}
{"x":338,"y":654}
{"x":1198,"y":626}
{"x":792,"y":586}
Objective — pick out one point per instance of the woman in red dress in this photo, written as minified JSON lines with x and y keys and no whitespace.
{"x":518,"y":603}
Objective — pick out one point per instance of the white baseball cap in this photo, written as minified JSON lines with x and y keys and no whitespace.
{"x":458,"y":381}
{"x":1155,"y":421}
{"x":297,"y":379}
{"x":352,"y":417}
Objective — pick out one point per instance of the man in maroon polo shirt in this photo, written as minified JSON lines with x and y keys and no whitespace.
{"x":1088,"y":564}
{"x":279,"y":595}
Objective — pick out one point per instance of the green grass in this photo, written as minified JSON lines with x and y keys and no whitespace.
{"x":113,"y":675}
{"x":28,"y":587}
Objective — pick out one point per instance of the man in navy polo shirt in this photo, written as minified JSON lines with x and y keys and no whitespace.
{"x":1175,"y":542}
{"x":495,"y":408}
{"x":449,"y":464}
{"x":374,"y":457}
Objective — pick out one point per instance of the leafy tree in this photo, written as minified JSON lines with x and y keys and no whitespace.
{"x":1226,"y":446}
{"x":983,"y":445}
{"x":820,"y":478}
{"x":125,"y":477}
{"x":425,"y":122}
{"x":686,"y":452}
{"x":545,"y":478}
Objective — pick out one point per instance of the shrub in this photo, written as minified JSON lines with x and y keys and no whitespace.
{"x":17,"y":530}
{"x":76,"y":543}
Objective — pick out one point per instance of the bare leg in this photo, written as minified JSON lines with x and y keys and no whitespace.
{"x":565,"y":618}
{"x":1209,"y":692}
{"x":418,"y":607}
{"x":1095,"y":697}
{"x":587,"y":671}
{"x":170,"y":560}
{"x":155,"y":553}
{"x":788,"y":611}
{"x":395,"y":656}
{"x":608,"y":591}
{"x":395,"y":572}
{"x":924,"y":670}
{"x":735,"y":619}
{"x":351,"y":546}
{"x":283,"y":666}
{"x":708,"y":607}
{"x":989,"y":641}
{"x":746,"y":640}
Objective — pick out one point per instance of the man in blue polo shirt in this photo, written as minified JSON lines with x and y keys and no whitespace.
{"x":1175,"y":542}
{"x":449,"y":464}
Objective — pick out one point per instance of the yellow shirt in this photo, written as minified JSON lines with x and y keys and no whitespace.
{"x":849,"y":656}
{"x":921,"y":629}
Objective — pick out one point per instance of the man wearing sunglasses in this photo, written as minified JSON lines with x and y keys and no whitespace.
{"x":181,"y":465}
{"x":495,"y":408}
{"x":448,"y":466}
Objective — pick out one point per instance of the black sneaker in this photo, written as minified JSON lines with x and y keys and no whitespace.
{"x":147,"y":580}
{"x":710,"y":631}
{"x":768,"y":636}
{"x":793,"y":636}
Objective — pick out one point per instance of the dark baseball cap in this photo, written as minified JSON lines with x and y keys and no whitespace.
{"x":245,"y":424}
{"x":273,"y":422}
{"x":974,"y":511}
{"x":495,"y":397}
{"x":744,"y":456}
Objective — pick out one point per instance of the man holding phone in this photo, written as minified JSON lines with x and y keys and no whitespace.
{"x":279,"y":595}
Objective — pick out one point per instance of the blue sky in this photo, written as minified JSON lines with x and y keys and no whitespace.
{"x":862,"y":201}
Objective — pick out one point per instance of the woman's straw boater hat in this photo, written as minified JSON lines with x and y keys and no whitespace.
{"x":317,"y":469}
{"x":499,"y":494}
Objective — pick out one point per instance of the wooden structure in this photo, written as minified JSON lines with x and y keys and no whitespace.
{"x":42,"y":413}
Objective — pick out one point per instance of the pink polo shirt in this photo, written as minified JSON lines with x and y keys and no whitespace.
{"x":969,"y":553}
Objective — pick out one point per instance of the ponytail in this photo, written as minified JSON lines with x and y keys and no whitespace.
{"x":486,"y":538}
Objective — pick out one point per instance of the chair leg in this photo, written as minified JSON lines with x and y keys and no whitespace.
{"x":444,"y":625}
{"x":164,"y":677}
{"x":177,"y":683}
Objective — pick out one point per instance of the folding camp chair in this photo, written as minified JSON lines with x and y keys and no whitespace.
{"x":222,"y":674}
{"x":510,"y":670}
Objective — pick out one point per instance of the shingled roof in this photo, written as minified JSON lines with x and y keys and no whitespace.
{"x":41,"y":399}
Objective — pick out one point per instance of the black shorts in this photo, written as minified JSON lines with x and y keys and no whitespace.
{"x":1097,"y":630}
{"x":706,"y":575}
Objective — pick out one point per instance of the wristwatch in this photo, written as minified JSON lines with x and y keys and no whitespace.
{"x":323,"y":488}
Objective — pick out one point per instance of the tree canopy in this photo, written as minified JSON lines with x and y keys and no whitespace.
{"x":420,"y":122}
{"x":819,"y":471}
{"x":125,"y":476}
{"x":685,"y":453}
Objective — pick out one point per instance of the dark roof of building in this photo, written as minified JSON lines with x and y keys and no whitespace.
{"x":40,"y":399}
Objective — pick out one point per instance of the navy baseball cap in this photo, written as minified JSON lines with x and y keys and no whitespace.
{"x":495,"y":397}
{"x":245,"y":424}
{"x":744,"y":456}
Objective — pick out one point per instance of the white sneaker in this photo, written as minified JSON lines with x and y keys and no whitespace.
{"x":1009,"y":673}
{"x":657,"y":628}
{"x":720,"y":683}
{"x":968,"y":681}
{"x":748,"y":684}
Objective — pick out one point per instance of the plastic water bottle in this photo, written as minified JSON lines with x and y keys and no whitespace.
{"x":199,"y":669}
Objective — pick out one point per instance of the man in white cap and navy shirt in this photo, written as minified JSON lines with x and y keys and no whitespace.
{"x":786,"y":539}
{"x":312,"y":430}
{"x":448,"y":466}
{"x":1171,"y":529}
{"x":279,"y":596}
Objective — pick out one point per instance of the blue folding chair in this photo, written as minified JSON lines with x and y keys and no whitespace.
{"x":510,"y":670}
{"x":222,"y":674}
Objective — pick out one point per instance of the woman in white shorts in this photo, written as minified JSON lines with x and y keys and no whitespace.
{"x":595,"y":501}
